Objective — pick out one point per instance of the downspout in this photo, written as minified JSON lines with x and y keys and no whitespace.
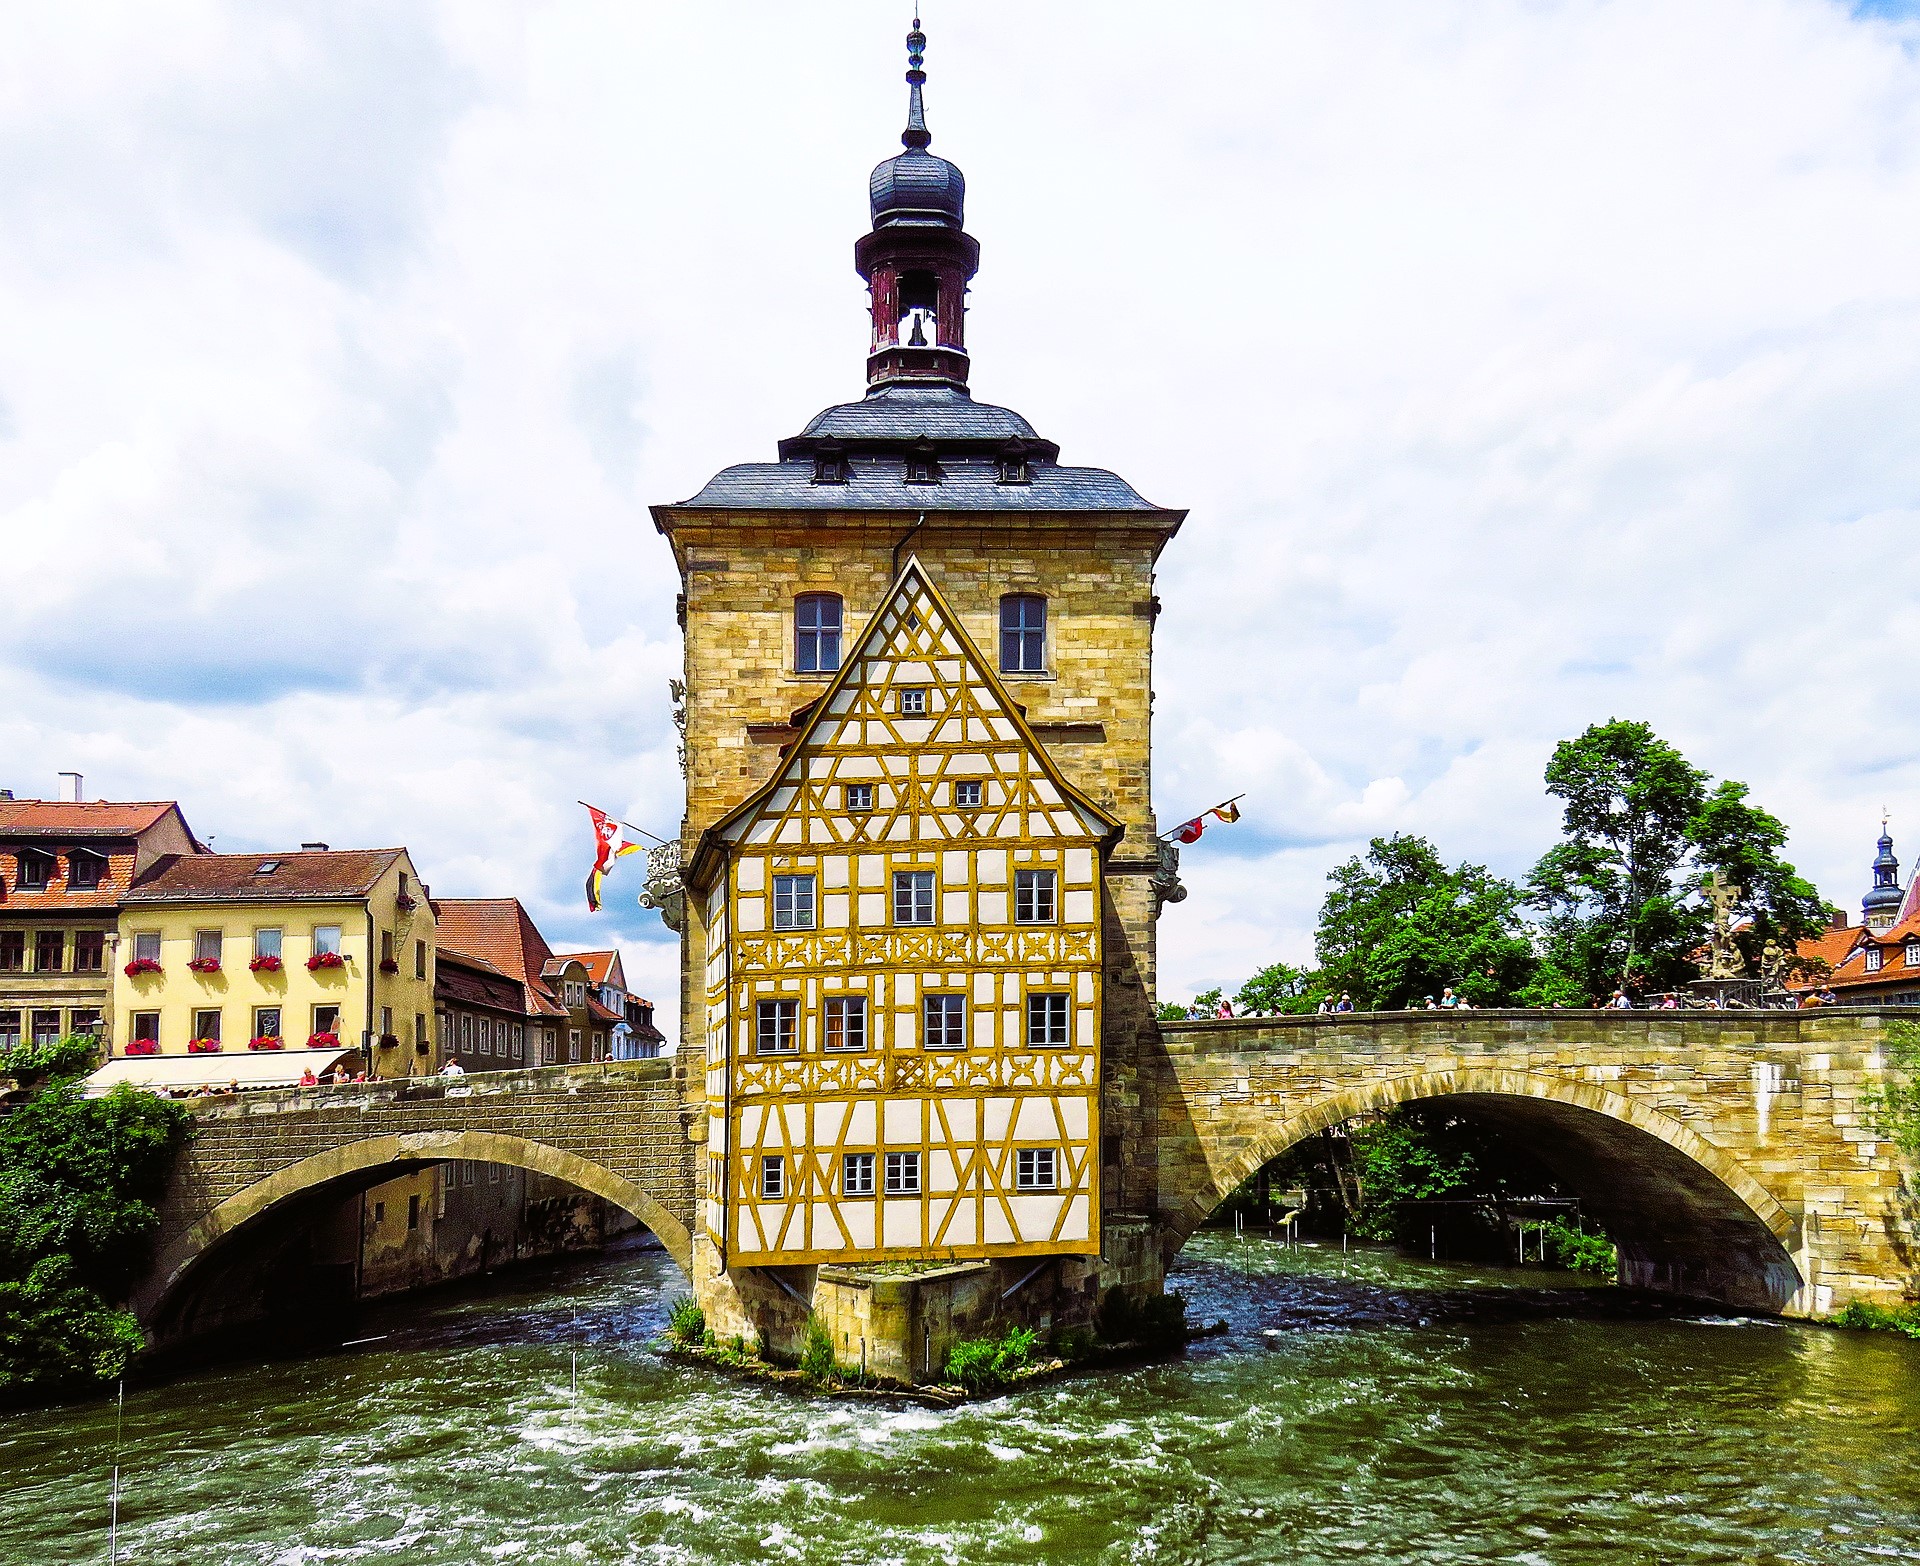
{"x":906,"y":539}
{"x":367,"y":1047}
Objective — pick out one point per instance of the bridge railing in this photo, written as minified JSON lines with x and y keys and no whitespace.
{"x":426,"y":1090}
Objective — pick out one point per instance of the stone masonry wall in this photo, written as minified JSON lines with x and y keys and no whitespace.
{"x":1802,"y":1210}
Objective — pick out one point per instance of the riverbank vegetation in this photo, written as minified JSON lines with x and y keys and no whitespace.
{"x":80,"y":1180}
{"x":1616,"y":903}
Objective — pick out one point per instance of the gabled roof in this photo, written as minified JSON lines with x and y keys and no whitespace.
{"x":239,"y":878}
{"x":500,"y":931}
{"x":1844,"y":951}
{"x":915,"y":626}
{"x":603,"y":967}
{"x":88,"y":818}
{"x":602,"y":1013}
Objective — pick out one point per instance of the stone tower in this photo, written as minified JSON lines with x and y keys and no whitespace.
{"x":1880,"y":908}
{"x":913,"y":547}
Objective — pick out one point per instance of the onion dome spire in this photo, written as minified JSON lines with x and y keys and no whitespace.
{"x":916,"y":135}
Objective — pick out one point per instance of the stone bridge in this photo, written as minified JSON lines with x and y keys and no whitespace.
{"x":1729,"y":1154}
{"x":615,"y":1129}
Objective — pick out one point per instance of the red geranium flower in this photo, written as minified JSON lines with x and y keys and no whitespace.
{"x":205,"y":965}
{"x":325,"y":960}
{"x":265,"y":965}
{"x":266,"y":1042}
{"x":141,"y":965}
{"x":323,"y":1041}
{"x":143,"y":1046}
{"x":203,"y":1046}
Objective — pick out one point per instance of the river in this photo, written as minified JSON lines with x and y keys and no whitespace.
{"x":1360,"y":1409}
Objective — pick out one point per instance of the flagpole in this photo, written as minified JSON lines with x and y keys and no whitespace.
{"x":1203,"y":815}
{"x":627,"y":824}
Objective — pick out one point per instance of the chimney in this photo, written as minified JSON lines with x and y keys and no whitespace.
{"x":1839,"y":919}
{"x":72,"y":788}
{"x":313,"y":848}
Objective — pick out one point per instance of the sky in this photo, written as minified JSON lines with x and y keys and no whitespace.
{"x":1523,"y":364}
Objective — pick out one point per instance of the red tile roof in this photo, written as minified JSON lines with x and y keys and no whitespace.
{"x":500,"y":931}
{"x":600,"y":965}
{"x":1846,"y":952}
{"x":601,"y":1013}
{"x":89,"y":818}
{"x":231,"y":878}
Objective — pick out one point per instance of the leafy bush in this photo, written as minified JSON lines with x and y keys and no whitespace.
{"x":1075,"y":1344}
{"x":79,"y":1179}
{"x":1880,"y":1318}
{"x":686,"y":1322}
{"x":816,"y":1351}
{"x":1579,"y":1251}
{"x":981,"y":1364}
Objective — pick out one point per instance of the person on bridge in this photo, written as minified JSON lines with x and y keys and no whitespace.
{"x":1620,"y":1001}
{"x":453,"y":1068}
{"x":1448,"y":1000}
{"x":1346,"y":1002}
{"x":308,"y":1079}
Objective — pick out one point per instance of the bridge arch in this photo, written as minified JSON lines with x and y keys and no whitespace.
{"x":1687,"y":1218}
{"x":370,"y":1160}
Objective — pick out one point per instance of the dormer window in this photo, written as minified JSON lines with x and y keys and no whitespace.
{"x":1913,"y":954}
{"x":34,"y":870}
{"x":85,"y":869}
{"x":1875,"y":957}
{"x":829,"y":464}
{"x":922,"y":465}
{"x":1014,"y":466}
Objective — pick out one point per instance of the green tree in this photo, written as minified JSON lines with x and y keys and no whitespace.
{"x":79,"y":1178}
{"x":1280,"y":989}
{"x":1641,"y":833}
{"x":1398,"y":925}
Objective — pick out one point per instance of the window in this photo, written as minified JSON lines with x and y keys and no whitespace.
{"x":1913,"y":954}
{"x":206,"y":1025}
{"x":829,"y":463}
{"x":266,"y":1022}
{"x":846,"y":1022}
{"x":85,"y":1023}
{"x":773,"y":1176}
{"x":206,"y":946}
{"x":549,"y":1047}
{"x":859,"y":796}
{"x":413,"y":1212}
{"x":386,"y":949}
{"x":419,"y":959}
{"x":46,"y":1027}
{"x":419,"y":1032}
{"x":89,"y":951}
{"x":911,"y":701}
{"x":486,"y":1036}
{"x":326,"y":938}
{"x":326,"y":1019}
{"x":267,"y":943}
{"x":34,"y":870}
{"x":913,"y":897}
{"x":1023,"y":634}
{"x":379,"y":1212}
{"x":903,"y":1174}
{"x":85,"y":869}
{"x":466,"y":1031}
{"x":1034,"y":1169}
{"x":793,"y":902}
{"x":146,"y":946}
{"x":599,"y":1046}
{"x":519,"y":1041}
{"x":966,"y":796}
{"x":1033,"y":899}
{"x":856,"y":1174}
{"x":1013,"y":463}
{"x":573,"y":1045}
{"x":816,"y":633}
{"x":9,"y":1029}
{"x":493,"y":1174}
{"x":49,"y":950}
{"x":776,"y":1024}
{"x":13,"y":950}
{"x":266,"y":867}
{"x":386,"y":1022}
{"x":945,"y":1021}
{"x":1046,"y":1021}
{"x":1874,"y":958}
{"x":466,"y":1171}
{"x":923,"y":467}
{"x":146,"y":1027}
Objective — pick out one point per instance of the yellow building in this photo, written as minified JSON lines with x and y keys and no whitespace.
{"x":918,"y":662}
{"x":253,"y":967}
{"x":903,"y":979}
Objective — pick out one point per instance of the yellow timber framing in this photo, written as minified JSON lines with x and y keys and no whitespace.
{"x":977,"y":1107}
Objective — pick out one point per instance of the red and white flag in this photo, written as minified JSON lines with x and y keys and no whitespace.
{"x":610,"y":843}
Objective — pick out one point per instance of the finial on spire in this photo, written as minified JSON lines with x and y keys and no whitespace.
{"x":916,"y":135}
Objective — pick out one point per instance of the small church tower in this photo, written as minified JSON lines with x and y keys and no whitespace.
{"x":1880,"y":908}
{"x":920,"y":864}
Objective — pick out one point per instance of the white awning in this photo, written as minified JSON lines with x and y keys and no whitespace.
{"x":261,"y":1068}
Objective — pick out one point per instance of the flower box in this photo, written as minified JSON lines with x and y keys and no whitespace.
{"x":265,"y":965}
{"x":389,"y":1040}
{"x":264,"y":1042}
{"x":205,"y":965}
{"x":405,"y":903}
{"x":203,"y":1046}
{"x":141,"y":965}
{"x":143,"y":1047}
{"x":388,"y":965}
{"x":323,"y":1041}
{"x":321,"y":960}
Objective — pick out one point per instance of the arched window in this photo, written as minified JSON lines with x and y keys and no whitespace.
{"x":816,"y":633}
{"x":1023,"y":634}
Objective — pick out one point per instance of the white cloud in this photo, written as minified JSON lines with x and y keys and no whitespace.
{"x":1523,"y":365}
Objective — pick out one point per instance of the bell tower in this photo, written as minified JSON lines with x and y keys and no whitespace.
{"x":920,"y":868}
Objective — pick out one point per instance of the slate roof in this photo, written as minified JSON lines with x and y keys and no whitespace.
{"x":234,"y":878}
{"x":944,"y":415}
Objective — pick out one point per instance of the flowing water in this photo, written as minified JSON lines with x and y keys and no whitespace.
{"x":1364,"y":1409}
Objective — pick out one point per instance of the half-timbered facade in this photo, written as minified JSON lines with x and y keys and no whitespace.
{"x":903,"y":972}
